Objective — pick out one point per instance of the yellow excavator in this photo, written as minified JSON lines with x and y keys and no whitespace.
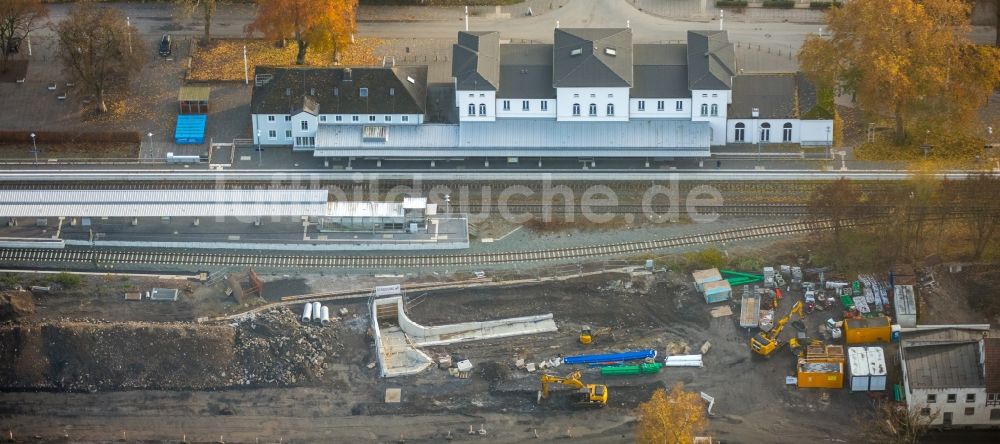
{"x":587,"y":334}
{"x":766,"y":342}
{"x":586,"y":395}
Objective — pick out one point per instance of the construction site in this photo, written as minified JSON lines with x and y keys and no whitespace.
{"x":781,"y":354}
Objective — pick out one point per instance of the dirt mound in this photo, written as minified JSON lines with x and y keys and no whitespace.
{"x":14,"y":304}
{"x":272,"y":349}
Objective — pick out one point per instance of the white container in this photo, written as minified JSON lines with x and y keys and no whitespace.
{"x":876,"y":368}
{"x":857,"y":358}
{"x":307,"y":311}
{"x":906,"y":305}
{"x":317,"y":311}
{"x":324,"y":317}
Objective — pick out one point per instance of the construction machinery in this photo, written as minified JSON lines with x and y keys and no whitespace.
{"x":766,"y":342}
{"x":585,"y":395}
{"x":587,"y":334}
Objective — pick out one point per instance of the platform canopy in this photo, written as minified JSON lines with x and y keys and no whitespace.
{"x":162,"y":203}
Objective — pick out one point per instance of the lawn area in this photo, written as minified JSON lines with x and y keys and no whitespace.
{"x":223,"y":59}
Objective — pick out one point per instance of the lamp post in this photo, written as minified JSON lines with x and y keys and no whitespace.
{"x":755,"y":113}
{"x":260,"y":152}
{"x":34,"y":147}
{"x":447,"y":202}
{"x":150,"y":135}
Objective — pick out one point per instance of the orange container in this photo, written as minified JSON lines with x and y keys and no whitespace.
{"x":820,"y":374}
{"x":867,"y":330}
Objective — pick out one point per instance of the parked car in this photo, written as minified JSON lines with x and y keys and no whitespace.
{"x":165,"y":45}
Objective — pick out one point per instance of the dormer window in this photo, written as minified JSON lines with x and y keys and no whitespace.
{"x":611,"y":51}
{"x":410,"y":79}
{"x":392,"y":91}
{"x":576,"y":52}
{"x":363,"y":92}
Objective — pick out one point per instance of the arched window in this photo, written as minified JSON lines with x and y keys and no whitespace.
{"x":704,"y":109}
{"x":765,"y":132}
{"x":593,"y":109}
{"x":740,"y":134}
{"x":482,"y":109}
{"x":715,"y":110}
{"x":576,"y":109}
{"x":472,"y":109}
{"x":786,"y":132}
{"x":611,"y":109}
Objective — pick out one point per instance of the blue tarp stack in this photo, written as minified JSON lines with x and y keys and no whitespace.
{"x":190,"y":129}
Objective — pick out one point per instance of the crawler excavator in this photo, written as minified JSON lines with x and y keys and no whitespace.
{"x":585,"y":395}
{"x":766,"y":342}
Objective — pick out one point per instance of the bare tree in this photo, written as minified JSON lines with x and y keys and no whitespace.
{"x":837,"y":202}
{"x":977,"y":196}
{"x":18,"y":18}
{"x":207,"y":8}
{"x":893,"y":423}
{"x":99,"y":50}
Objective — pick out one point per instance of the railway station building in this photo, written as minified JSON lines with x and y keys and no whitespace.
{"x":591,"y":93}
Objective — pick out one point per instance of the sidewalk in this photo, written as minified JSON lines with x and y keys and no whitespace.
{"x":377,"y":13}
{"x":705,"y":10}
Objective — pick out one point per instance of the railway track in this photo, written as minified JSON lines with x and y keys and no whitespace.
{"x":122,"y":258}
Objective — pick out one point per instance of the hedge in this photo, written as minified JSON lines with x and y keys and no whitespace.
{"x":730,"y":3}
{"x":782,"y":4}
{"x":824,"y":5}
{"x":70,"y":137}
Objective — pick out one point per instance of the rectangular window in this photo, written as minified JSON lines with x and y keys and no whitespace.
{"x":576,"y":96}
{"x":371,"y":118}
{"x":704,"y":95}
{"x":305,"y":125}
{"x":388,"y":118}
{"x":576,"y":109}
{"x":355,"y":118}
{"x":322,"y":118}
{"x":970,"y":397}
{"x":272,"y":134}
{"x":270,"y":118}
{"x":363,"y":92}
{"x":926,"y":411}
{"x":482,"y":95}
{"x":660,"y":105}
{"x":406,"y":118}
{"x":642,"y":105}
{"x":931,"y":398}
{"x":288,"y":118}
{"x":525,"y":105}
{"x":952,"y":398}
{"x":679,"y":106}
{"x":472,"y":95}
{"x":994,"y":414}
{"x":969,"y":411}
{"x":338,"y":118}
{"x":611,"y":96}
{"x":288,"y":134}
{"x":482,"y":109}
{"x":506,"y":105}
{"x":715,"y":95}
{"x":545,"y":105}
{"x":704,"y":109}
{"x":593,"y":95}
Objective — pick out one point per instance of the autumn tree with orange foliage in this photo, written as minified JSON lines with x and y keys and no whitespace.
{"x":323,"y":25}
{"x":907,"y":59}
{"x":674,"y":418}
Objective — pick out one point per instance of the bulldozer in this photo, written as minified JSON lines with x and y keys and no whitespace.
{"x":585,"y":395}
{"x":587,"y":334}
{"x":766,"y":342}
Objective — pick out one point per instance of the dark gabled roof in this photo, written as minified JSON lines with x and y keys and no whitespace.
{"x":711,"y":60}
{"x":773,"y":94}
{"x":992,"y":350}
{"x":475,"y":62}
{"x":526,"y":72}
{"x":289,"y":90}
{"x":807,"y":94}
{"x":660,"y":71}
{"x":945,"y":365}
{"x":592,"y":57}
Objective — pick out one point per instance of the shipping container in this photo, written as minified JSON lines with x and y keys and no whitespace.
{"x":190,"y":129}
{"x":702,"y":277}
{"x":867,"y":330}
{"x":717,"y":291}
{"x":906,"y":305}
{"x":877,"y":368}
{"x":857,"y":364}
{"x":820,"y":374}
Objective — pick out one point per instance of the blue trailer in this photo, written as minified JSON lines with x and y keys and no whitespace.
{"x":190,"y":129}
